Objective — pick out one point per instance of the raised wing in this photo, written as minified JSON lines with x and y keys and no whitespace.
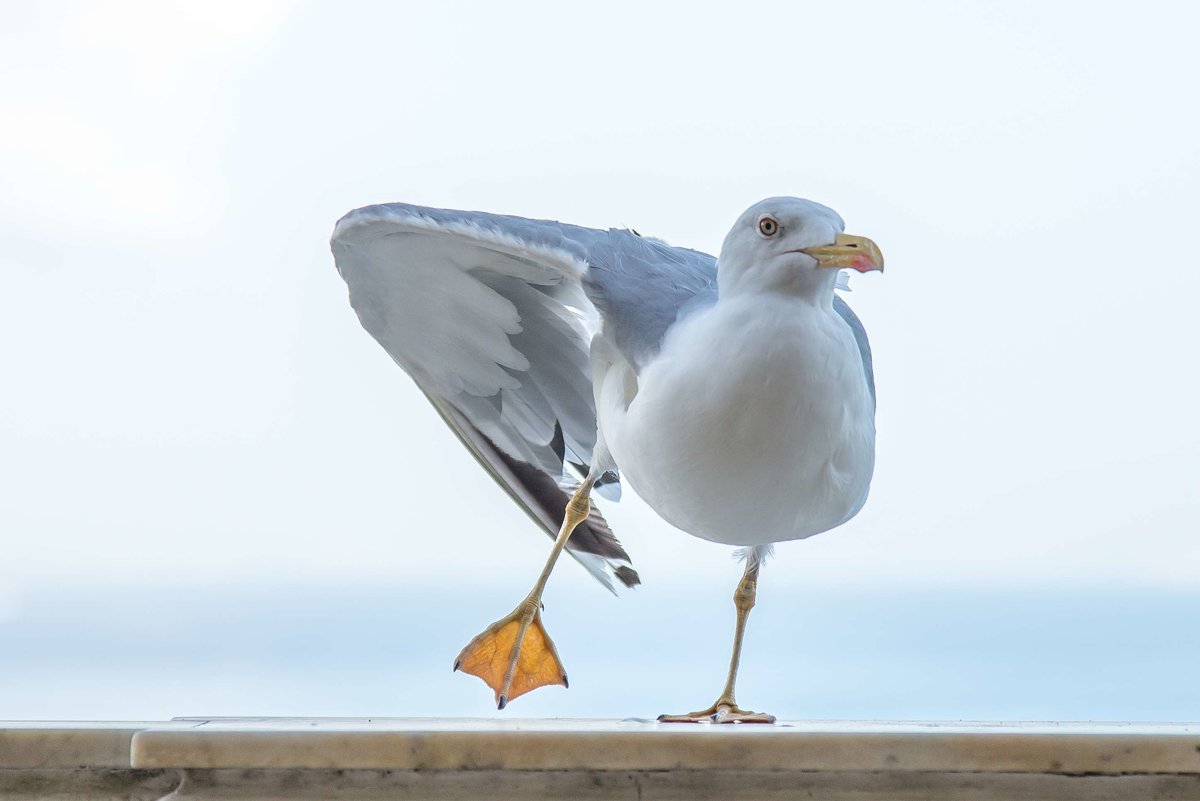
{"x":493,"y":317}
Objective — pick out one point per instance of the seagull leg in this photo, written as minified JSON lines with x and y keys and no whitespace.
{"x":725,"y":709}
{"x":515,"y":655}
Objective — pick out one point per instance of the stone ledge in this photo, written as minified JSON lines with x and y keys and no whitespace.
{"x":530,"y":760}
{"x":71,"y":744}
{"x":414,"y":744}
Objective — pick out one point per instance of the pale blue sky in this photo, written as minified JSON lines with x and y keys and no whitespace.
{"x":188,"y":399}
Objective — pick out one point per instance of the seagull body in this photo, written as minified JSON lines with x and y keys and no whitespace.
{"x":736,"y":395}
{"x":753,"y":425}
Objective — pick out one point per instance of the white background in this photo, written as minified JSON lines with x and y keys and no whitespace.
{"x":188,"y":405}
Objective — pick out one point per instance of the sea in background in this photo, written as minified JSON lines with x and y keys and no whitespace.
{"x":374,"y":650}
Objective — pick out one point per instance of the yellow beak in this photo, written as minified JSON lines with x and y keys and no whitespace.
{"x":854,"y":252}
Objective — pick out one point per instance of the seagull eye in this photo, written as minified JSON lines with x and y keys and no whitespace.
{"x":768,"y":226}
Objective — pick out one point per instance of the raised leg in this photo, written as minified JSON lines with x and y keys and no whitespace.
{"x":725,"y":709}
{"x":515,"y":655}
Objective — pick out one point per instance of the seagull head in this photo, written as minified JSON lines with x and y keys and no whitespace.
{"x":791,"y":245}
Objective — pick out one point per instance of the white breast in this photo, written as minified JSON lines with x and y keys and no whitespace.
{"x":754,"y":424}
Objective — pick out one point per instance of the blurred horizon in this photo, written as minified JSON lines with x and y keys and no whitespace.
{"x":369,"y":650}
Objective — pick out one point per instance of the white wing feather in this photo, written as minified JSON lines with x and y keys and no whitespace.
{"x":496,"y":329}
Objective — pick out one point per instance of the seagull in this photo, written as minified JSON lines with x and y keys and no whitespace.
{"x":735,"y":395}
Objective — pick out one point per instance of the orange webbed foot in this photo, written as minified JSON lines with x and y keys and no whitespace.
{"x":514,"y":655}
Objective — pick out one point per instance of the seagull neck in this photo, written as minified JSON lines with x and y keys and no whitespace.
{"x":812,"y":285}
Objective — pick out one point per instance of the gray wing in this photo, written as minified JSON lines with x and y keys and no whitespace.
{"x":860,"y":336}
{"x":642,"y":286}
{"x":493,"y":317}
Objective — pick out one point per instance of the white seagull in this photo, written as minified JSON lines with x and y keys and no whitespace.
{"x":735,"y":395}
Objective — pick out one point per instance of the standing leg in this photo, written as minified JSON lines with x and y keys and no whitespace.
{"x":725,"y":709}
{"x":515,"y":654}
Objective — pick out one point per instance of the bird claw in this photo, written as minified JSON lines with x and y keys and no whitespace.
{"x":721,"y":712}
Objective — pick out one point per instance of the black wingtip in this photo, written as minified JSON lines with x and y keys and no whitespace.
{"x":565,"y":684}
{"x":627,"y":576}
{"x":502,"y":702}
{"x":457,"y":664}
